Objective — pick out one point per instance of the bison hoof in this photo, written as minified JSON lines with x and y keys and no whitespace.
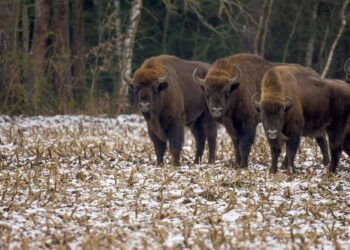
{"x":197,"y":160}
{"x":290,"y":170}
{"x":331,"y":169}
{"x":326,"y":162}
{"x":160,"y":164}
{"x":211,"y":161}
{"x":273,"y":170}
{"x":284,"y":166}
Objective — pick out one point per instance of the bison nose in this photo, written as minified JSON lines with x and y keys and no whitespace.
{"x":145,"y":106}
{"x":216,"y":111}
{"x":272,"y":134}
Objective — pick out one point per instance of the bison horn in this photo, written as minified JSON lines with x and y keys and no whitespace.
{"x":237,"y":77}
{"x":347,"y":66}
{"x":288,"y":103}
{"x":164,"y":77}
{"x":197,"y":78}
{"x":255,"y":101}
{"x":126,"y":78}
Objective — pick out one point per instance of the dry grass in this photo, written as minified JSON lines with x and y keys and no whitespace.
{"x":89,"y":183}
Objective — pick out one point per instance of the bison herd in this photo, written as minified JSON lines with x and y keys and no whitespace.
{"x":239,"y":92}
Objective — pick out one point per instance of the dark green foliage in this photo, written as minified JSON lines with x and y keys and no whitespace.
{"x":199,"y":30}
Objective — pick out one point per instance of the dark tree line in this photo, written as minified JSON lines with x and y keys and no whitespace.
{"x":66,"y":56}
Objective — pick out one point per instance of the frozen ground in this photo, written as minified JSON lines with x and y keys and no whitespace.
{"x":70,"y":182}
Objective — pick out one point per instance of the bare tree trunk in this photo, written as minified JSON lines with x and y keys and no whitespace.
{"x":25,"y":27}
{"x":263,"y":28}
{"x":336,"y":40}
{"x":78,"y":47}
{"x":39,"y":49}
{"x":165,"y":29}
{"x":291,"y":34}
{"x":311,"y":42}
{"x":125,"y":48}
{"x":120,"y":36}
{"x":322,"y":48}
{"x":8,"y":40}
{"x":62,"y":61}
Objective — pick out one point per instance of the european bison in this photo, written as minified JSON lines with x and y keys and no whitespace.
{"x":294,"y":103}
{"x":169,"y":99}
{"x":229,"y":87}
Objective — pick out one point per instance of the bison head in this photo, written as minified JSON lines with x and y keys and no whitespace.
{"x":272,"y":113}
{"x":148,"y":84}
{"x":218,"y":87}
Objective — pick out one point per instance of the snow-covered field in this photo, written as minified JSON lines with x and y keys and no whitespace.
{"x":70,"y":182}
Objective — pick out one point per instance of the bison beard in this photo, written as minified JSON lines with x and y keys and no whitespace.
{"x":317,"y":105}
{"x":169,"y":99}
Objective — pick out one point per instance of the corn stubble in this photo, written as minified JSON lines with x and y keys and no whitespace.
{"x":91,"y":183}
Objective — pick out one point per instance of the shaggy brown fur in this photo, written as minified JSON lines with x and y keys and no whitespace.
{"x":177,"y":102}
{"x":238,"y":114}
{"x":150,"y":70}
{"x":317,"y":105}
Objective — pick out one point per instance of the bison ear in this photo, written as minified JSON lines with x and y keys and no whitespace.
{"x":162,"y":86}
{"x":256,"y":103}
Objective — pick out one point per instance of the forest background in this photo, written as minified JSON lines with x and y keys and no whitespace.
{"x":66,"y":56}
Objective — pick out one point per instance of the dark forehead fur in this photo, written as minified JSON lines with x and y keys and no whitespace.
{"x":149,"y":71}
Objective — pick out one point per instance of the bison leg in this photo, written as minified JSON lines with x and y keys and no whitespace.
{"x":237,"y":153}
{"x":292,"y":146}
{"x":335,"y":156}
{"x":245,"y":145}
{"x":176,"y":139}
{"x":234,"y":137}
{"x":159,"y":147}
{"x":285,"y":163}
{"x":322,"y":143}
{"x":199,"y":135}
{"x":275,"y":152}
{"x":336,"y":136}
{"x":210,"y":128}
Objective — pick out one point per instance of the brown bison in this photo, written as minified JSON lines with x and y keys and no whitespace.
{"x":294,"y":103}
{"x":229,"y":87}
{"x":169,"y":99}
